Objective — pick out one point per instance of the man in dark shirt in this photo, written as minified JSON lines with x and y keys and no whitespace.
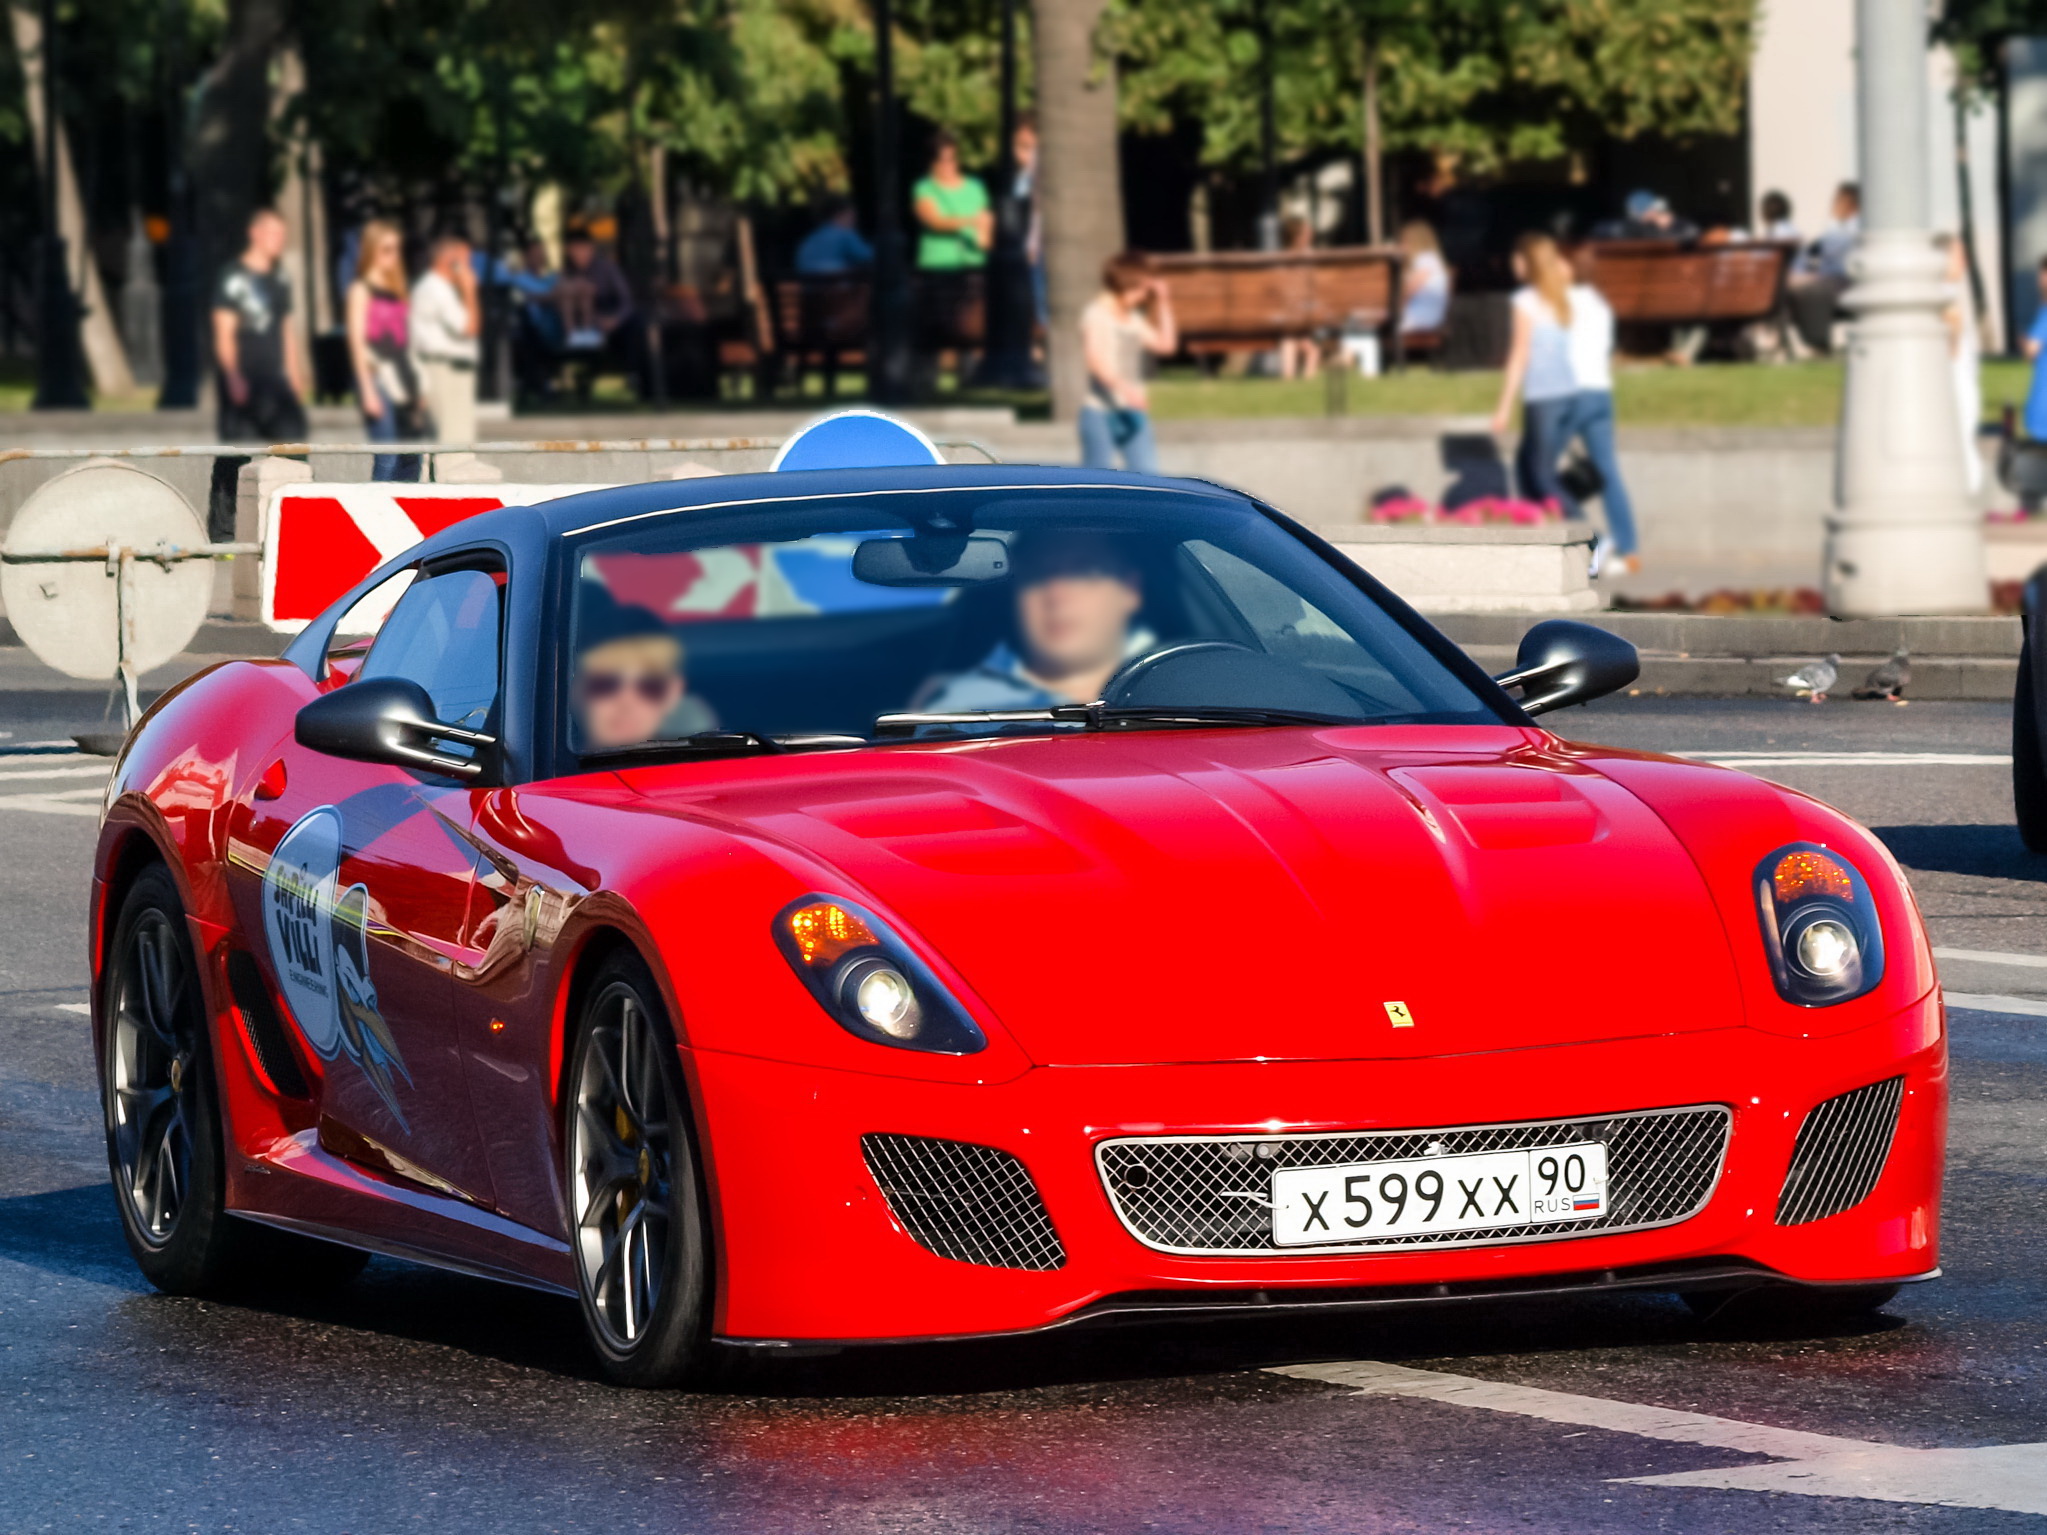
{"x":258,"y":353}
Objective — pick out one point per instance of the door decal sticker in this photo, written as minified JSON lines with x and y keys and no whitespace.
{"x":319,"y":944}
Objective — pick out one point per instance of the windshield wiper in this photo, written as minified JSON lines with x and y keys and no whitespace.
{"x":1101,"y":716}
{"x":727,"y":743}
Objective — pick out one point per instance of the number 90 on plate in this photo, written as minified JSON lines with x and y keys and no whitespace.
{"x":1370,"y":1201}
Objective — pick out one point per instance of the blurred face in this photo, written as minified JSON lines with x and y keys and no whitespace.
{"x":267,"y":236}
{"x":1076,"y":620}
{"x":625,"y":689}
{"x":1844,"y":207}
{"x":383,"y":254}
{"x":945,"y":164}
{"x":454,"y":256}
{"x":578,"y":253}
{"x":1025,"y":146}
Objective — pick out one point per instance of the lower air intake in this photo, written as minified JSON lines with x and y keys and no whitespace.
{"x":1841,"y":1151}
{"x":971,"y":1203}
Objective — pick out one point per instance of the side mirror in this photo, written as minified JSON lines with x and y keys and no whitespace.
{"x":390,"y":720}
{"x":1563,"y":662}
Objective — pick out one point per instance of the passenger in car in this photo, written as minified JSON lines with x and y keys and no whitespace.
{"x":1077,"y":599}
{"x":629,"y":685}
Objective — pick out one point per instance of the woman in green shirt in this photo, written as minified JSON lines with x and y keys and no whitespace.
{"x":952,"y":208}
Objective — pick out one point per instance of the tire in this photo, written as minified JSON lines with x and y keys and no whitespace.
{"x":1791,"y":1305}
{"x":166,"y":1138}
{"x":637,"y":1225}
{"x":2028,"y":763}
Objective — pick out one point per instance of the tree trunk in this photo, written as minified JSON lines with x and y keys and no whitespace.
{"x":104,"y":355}
{"x":229,"y":152}
{"x":1375,"y":167}
{"x":1080,"y":187}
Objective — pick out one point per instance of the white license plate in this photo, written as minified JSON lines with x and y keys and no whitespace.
{"x":1367,"y":1201}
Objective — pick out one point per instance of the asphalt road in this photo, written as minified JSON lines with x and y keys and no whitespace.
{"x":421,"y":1399}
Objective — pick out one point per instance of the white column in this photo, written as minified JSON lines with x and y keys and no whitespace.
{"x":1903,"y":537}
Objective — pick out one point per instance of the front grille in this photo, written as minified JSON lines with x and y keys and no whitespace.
{"x":1841,"y":1151}
{"x":972,"y":1203}
{"x":1185,"y":1194}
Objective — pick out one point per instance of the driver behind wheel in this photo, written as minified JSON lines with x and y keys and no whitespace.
{"x":1077,"y":597}
{"x":629,"y":686}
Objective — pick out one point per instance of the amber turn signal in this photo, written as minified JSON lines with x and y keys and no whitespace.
{"x":825,"y":932}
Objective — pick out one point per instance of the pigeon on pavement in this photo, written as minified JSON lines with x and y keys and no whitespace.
{"x":1888,"y":680}
{"x":1814,"y":678}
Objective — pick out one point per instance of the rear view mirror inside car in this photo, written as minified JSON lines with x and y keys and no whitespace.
{"x":930,"y":559}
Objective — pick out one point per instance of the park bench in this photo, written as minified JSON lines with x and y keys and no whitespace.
{"x":1664,"y":282}
{"x":1248,"y":301}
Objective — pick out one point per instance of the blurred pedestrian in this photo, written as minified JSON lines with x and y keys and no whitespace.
{"x":260,"y":357}
{"x":1646,"y":216}
{"x":1024,"y":190}
{"x":1775,"y":221}
{"x":1130,"y":320}
{"x":1965,"y":356}
{"x":1424,"y":279}
{"x":1820,"y":276}
{"x":446,"y":319}
{"x":1299,"y":356}
{"x":953,"y":213}
{"x":379,"y":341}
{"x":594,"y":296}
{"x":835,"y":247}
{"x":1590,"y":420}
{"x":1539,"y":367}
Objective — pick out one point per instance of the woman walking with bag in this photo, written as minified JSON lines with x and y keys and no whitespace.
{"x":1539,"y":368}
{"x":1590,"y":420}
{"x":378,"y":333}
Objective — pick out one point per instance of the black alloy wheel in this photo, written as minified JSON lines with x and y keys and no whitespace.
{"x":166,"y":1137}
{"x":635,"y":1205}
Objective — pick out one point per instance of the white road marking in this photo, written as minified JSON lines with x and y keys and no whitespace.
{"x":65,"y":802}
{"x":84,"y":1008}
{"x":59,"y":772}
{"x":2012,"y":1477}
{"x":1991,"y":1002}
{"x":1994,"y":957}
{"x":1757,"y":759}
{"x":2009,"y":1477}
{"x":1372,"y":1378}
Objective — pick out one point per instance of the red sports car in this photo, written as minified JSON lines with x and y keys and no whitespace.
{"x":813,"y":908}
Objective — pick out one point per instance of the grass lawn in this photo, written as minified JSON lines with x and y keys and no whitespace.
{"x":1713,"y":394}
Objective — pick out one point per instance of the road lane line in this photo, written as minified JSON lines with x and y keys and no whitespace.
{"x":65,"y":802}
{"x":2010,"y":1477}
{"x":1991,"y":1002}
{"x":1372,"y":1378}
{"x":1755,"y":759}
{"x":84,"y":1008}
{"x":1994,"y":957}
{"x":59,"y":772}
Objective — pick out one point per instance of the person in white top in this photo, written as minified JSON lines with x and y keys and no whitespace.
{"x":1127,"y":323}
{"x":1965,"y":351}
{"x":445,"y":321}
{"x":1590,"y":419}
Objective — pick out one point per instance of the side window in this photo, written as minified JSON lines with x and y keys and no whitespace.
{"x":443,"y":634}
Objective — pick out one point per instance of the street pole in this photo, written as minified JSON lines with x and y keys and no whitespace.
{"x":889,"y":317}
{"x":60,"y":376}
{"x":1268,"y":136}
{"x":1903,"y":537}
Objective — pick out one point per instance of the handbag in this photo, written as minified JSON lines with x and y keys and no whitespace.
{"x":1581,"y":478}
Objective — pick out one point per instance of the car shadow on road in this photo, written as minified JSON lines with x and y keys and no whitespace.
{"x":1993,"y":852}
{"x":76,"y":1233}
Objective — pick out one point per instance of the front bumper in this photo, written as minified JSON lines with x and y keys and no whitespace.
{"x":809,"y":1250}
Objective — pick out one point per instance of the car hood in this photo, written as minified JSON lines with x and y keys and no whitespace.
{"x":1189,"y":896}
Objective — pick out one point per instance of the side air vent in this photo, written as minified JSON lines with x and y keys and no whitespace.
{"x":266,"y":1029}
{"x":1841,"y":1151}
{"x":971,"y":1203}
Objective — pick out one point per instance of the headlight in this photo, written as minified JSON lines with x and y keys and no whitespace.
{"x":869,"y":981}
{"x":1819,"y":926}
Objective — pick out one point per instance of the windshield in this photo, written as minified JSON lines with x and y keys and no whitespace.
{"x":975,"y":612}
